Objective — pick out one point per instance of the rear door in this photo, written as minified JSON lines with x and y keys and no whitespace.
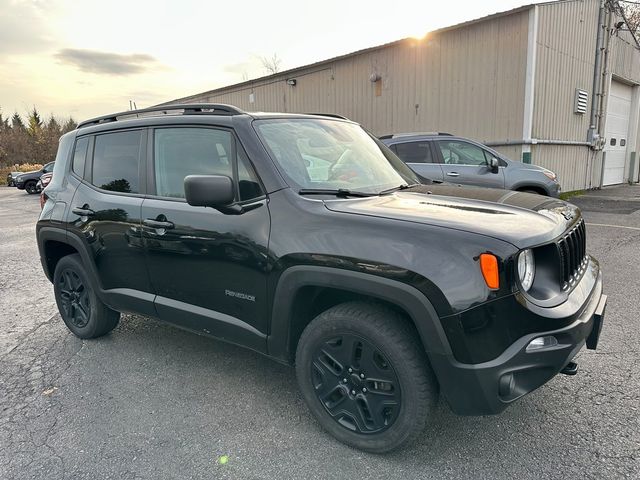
{"x":207,"y":268}
{"x":105,"y":215}
{"x":468,"y":164}
{"x":419,"y":157}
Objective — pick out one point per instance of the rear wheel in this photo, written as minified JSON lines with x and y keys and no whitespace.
{"x":365,"y":376}
{"x":80,"y":308}
{"x":30,"y":187}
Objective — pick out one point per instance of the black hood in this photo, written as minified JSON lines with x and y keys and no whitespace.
{"x":522,"y":219}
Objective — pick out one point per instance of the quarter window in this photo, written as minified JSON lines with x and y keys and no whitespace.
{"x":414,"y":152}
{"x":116,"y":161}
{"x":461,"y":153}
{"x":79,"y":156}
{"x":179,"y":152}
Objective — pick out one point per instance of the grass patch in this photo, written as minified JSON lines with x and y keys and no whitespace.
{"x":568,"y":195}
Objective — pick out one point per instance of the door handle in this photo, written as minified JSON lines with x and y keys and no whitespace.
{"x":83,"y":211}
{"x":453,"y":174}
{"x":149,"y":222}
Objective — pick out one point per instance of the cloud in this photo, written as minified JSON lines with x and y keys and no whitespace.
{"x":93,"y":61}
{"x":24,"y":28}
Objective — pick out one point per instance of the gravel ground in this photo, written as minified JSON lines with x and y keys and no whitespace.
{"x":152,"y":401}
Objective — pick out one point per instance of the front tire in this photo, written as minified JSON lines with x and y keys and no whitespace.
{"x":365,"y":376}
{"x":80,"y":308}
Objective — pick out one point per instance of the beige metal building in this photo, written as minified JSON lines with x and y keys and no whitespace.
{"x":522,"y":81}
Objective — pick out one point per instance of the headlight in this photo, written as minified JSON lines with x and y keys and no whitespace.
{"x":526,"y":269}
{"x":549,"y":174}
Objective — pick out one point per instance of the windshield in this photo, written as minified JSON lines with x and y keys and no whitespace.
{"x":330,"y":154}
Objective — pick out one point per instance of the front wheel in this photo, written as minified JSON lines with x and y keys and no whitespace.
{"x":365,"y":376}
{"x":80,"y":308}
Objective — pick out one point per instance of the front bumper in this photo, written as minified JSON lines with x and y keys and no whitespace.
{"x":489,"y":387}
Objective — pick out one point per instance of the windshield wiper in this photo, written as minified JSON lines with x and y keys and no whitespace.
{"x":338,"y":192}
{"x":404,"y":186}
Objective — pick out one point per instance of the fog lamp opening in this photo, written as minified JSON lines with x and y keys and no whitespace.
{"x":541,"y":343}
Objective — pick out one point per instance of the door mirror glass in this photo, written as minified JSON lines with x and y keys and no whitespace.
{"x":214,"y":191}
{"x":494,"y":163}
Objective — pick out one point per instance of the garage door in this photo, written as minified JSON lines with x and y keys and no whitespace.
{"x":617,"y":129}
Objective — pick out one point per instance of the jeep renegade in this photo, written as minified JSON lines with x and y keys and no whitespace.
{"x":306,"y":239}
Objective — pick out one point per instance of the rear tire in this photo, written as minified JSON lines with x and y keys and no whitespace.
{"x":80,"y":308}
{"x":365,"y":376}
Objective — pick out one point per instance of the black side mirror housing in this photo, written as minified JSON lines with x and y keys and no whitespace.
{"x":494,"y":163}
{"x":215,"y":191}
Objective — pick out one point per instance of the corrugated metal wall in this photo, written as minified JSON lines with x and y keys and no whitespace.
{"x":468,"y":81}
{"x":566,"y":43}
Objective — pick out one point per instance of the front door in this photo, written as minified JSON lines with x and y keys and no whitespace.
{"x":468,"y":164}
{"x":208,"y":269}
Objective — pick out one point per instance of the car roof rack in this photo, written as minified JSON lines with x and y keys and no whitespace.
{"x":332,"y":115}
{"x":175,"y":109}
{"x":416,"y":134}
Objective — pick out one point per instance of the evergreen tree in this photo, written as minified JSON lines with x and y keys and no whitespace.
{"x":16,"y":121}
{"x":35,"y":123}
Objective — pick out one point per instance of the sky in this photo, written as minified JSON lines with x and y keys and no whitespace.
{"x":88,"y":58}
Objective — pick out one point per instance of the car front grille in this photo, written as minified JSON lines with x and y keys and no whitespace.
{"x":573,"y":255}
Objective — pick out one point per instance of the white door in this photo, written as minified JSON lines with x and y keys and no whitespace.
{"x":616,"y":134}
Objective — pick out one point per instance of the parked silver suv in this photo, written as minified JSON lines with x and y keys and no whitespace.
{"x":446,"y":157}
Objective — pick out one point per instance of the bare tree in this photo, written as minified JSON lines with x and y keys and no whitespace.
{"x":271,"y":65}
{"x":631,"y":12}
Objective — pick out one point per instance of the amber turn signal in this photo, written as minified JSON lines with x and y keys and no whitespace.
{"x":489,"y":267}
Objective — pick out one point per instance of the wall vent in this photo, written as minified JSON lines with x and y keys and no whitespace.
{"x":580,"y":102}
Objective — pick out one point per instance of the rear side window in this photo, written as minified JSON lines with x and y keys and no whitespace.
{"x":179,"y":152}
{"x":414,"y":152}
{"x":80,"y":156}
{"x":116,"y":160}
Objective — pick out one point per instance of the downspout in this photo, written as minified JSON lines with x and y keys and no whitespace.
{"x":605,"y":86}
{"x":592,"y":135}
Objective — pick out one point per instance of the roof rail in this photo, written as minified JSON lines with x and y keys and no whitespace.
{"x":416,"y":134}
{"x":187,"y":109}
{"x":332,"y":115}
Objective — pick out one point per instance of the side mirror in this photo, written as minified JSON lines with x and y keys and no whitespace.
{"x":215,"y":191}
{"x":494,"y":163}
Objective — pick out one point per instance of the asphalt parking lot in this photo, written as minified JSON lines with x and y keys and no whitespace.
{"x":152,"y":401}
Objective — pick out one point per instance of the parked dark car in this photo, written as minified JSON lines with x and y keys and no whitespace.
{"x":29,"y":181}
{"x":44,"y":180}
{"x":307,"y":240}
{"x":445,"y":157}
{"x":11,"y":178}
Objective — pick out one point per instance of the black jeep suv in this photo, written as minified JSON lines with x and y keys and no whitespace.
{"x":304,"y":238}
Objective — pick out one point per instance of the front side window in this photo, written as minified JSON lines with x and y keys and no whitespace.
{"x":179,"y":152}
{"x":414,"y":152}
{"x":461,"y":153}
{"x":116,"y":160}
{"x":331,"y":154}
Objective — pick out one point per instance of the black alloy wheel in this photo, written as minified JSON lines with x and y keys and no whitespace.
{"x":80,"y":307}
{"x":75,"y":301}
{"x":365,"y":376}
{"x":356,"y":384}
{"x":30,"y":187}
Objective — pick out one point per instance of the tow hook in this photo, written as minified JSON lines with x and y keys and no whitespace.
{"x":570,"y":369}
